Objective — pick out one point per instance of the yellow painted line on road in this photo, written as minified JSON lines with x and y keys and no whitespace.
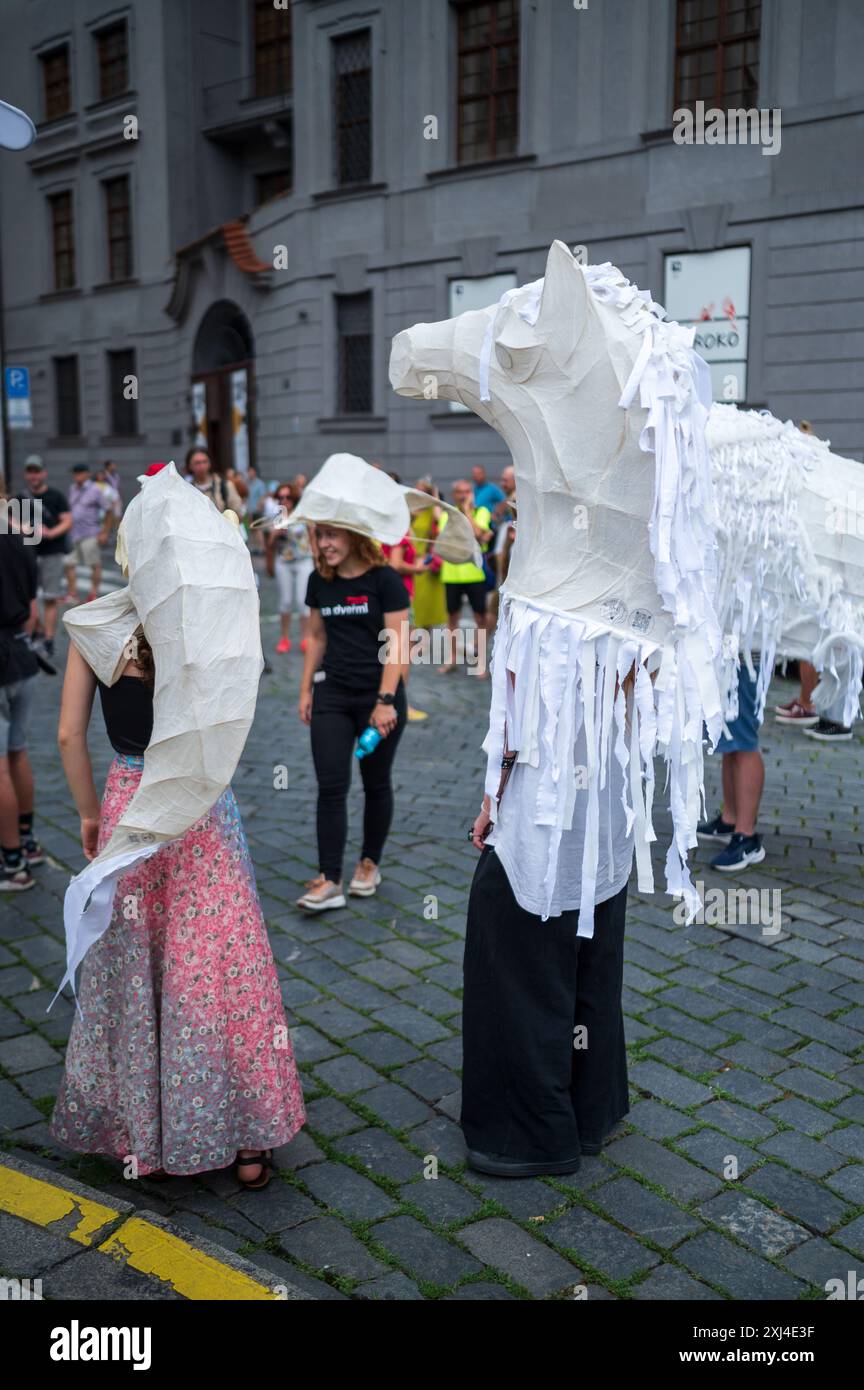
{"x":189,"y":1271}
{"x":42,"y":1203}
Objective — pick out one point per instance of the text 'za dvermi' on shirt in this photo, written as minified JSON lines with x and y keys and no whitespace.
{"x":353,"y":614}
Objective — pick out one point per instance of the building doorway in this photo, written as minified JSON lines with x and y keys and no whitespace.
{"x":222,"y":387}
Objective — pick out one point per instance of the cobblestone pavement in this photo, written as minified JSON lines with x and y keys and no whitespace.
{"x":745,"y":1048}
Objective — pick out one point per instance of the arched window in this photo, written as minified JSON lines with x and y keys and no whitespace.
{"x":222,"y":361}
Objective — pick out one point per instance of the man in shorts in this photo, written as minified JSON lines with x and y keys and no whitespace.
{"x":89,"y":533}
{"x":743,"y":780}
{"x":52,"y":529}
{"x":18,"y":669}
{"x":467,"y":581}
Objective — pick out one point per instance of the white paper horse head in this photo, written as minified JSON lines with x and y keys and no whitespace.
{"x":603,"y":406}
{"x":547,"y":368}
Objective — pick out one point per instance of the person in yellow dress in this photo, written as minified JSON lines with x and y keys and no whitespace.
{"x":430,"y":609}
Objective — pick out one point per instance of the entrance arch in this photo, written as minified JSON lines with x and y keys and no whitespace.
{"x":223,"y":358}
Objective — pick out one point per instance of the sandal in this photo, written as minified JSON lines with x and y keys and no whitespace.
{"x":263,"y":1159}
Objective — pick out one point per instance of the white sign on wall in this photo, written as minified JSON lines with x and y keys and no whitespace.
{"x":477,"y":293}
{"x":710,"y":290}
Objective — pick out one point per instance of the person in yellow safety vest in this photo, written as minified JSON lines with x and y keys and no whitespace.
{"x":467,"y":580}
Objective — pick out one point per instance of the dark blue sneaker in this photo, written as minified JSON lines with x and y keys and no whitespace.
{"x":716,"y":829}
{"x":740,"y":853}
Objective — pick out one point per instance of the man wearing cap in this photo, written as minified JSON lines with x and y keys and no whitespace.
{"x":88,"y":533}
{"x":52,"y":522}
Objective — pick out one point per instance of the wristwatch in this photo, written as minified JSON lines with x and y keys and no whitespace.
{"x":386,"y":699}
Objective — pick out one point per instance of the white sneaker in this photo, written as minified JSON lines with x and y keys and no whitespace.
{"x":366,"y":878}
{"x":321,"y":894}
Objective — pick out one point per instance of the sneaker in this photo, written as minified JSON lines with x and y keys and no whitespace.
{"x":16,"y":880}
{"x":829,"y":732}
{"x":716,"y":829}
{"x":416,"y":716}
{"x":740,"y":853}
{"x":500,"y":1167}
{"x":366,"y":878}
{"x":795,"y":713}
{"x":33,"y":851}
{"x":321,"y":894}
{"x":304,"y":644}
{"x":283,"y":645}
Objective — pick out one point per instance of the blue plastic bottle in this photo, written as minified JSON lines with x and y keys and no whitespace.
{"x":367,"y":742}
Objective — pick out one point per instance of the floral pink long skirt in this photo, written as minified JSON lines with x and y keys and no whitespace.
{"x":181,"y":1055}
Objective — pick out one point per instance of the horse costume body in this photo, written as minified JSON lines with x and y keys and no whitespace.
{"x":791,"y":555}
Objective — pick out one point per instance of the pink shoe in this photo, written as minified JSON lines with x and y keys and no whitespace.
{"x":795,"y":713}
{"x":304,"y":644}
{"x":283,"y":645}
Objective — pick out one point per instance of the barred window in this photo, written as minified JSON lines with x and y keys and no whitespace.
{"x":488,"y":80}
{"x":112,"y":57}
{"x":66,"y":396}
{"x":123,"y":411}
{"x":118,"y":216}
{"x":717,"y":53}
{"x":56,"y":90}
{"x":272,"y":45}
{"x":352,"y":101}
{"x":62,"y":240}
{"x":354,"y":367}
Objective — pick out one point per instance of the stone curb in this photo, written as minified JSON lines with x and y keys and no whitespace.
{"x":195,"y":1269}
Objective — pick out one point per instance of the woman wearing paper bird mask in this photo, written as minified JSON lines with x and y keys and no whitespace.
{"x":179,"y":1059}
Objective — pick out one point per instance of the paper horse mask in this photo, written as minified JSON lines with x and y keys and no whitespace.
{"x":603,"y":407}
{"x":192,"y":592}
{"x":791,"y":548}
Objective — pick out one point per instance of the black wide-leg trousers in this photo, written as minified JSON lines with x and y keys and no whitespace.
{"x":527,"y":1093}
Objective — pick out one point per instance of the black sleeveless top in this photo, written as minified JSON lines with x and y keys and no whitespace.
{"x":127,"y":708}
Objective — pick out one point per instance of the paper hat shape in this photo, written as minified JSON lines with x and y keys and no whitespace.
{"x":192,"y":592}
{"x":790,"y":528}
{"x":603,"y":406}
{"x":348,"y":492}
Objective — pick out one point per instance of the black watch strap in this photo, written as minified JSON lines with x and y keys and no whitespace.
{"x":386,"y":699}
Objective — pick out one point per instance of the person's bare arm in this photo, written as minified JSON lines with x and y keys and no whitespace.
{"x":394,"y":667}
{"x":316,"y":644}
{"x":79,"y":687}
{"x":480,"y":828}
{"x":50,"y":533}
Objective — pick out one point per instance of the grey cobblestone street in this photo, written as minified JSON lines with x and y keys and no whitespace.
{"x":739,"y":1171}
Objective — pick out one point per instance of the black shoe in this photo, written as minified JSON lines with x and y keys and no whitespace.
{"x":829,"y":732}
{"x":44,"y":656}
{"x":740,"y":853}
{"x":16,"y":880}
{"x":589,"y":1150}
{"x":499,"y":1167}
{"x":716,"y":829}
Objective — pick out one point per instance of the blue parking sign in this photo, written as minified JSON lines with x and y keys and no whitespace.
{"x":18,"y":408}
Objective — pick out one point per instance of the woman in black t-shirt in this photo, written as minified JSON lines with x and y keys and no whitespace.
{"x":353,"y":597}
